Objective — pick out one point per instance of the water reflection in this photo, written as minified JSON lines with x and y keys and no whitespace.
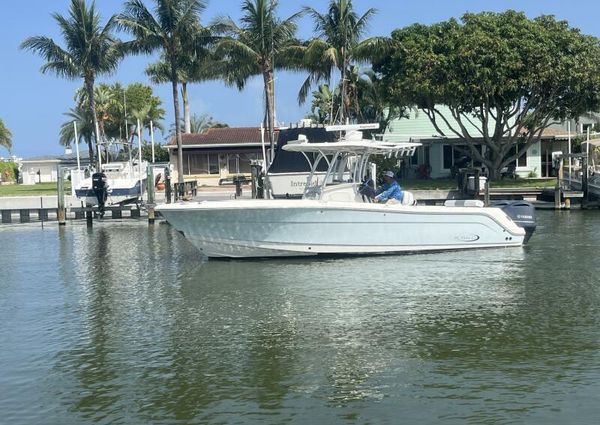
{"x":142,"y":329}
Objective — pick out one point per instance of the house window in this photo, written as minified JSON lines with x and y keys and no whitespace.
{"x":452,"y":155}
{"x":198,"y":163}
{"x":234,"y":163}
{"x":522,"y":160}
{"x":448,"y":157}
{"x":213,"y":163}
{"x":414,"y":160}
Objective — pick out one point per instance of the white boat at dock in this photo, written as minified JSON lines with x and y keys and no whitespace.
{"x":125,"y":182}
{"x":335,"y":218}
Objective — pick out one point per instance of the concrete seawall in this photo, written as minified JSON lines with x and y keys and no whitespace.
{"x":33,"y":202}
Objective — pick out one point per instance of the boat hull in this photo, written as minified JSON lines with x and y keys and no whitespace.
{"x":267,"y":228}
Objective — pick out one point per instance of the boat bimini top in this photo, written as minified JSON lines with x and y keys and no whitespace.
{"x":347,"y":158}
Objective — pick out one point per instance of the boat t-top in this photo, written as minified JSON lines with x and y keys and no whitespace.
{"x":334,"y":217}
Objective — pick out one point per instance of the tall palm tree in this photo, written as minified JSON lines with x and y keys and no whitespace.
{"x":170,"y":27}
{"x":260,"y":44}
{"x":90,"y":50}
{"x":5,"y":136}
{"x":338,"y":45}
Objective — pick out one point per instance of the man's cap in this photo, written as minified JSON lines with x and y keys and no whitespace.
{"x":389,"y":174}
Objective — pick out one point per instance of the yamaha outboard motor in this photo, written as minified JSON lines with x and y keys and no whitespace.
{"x":521,"y":212}
{"x":100,"y":186}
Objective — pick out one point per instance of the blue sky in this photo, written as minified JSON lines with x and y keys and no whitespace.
{"x":32,"y":104}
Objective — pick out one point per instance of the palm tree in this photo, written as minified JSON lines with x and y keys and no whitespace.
{"x":198,"y":124}
{"x":85,"y":132}
{"x":338,"y":45}
{"x":91,"y":50}
{"x":5,"y":136}
{"x":195,"y":69}
{"x":171,"y":27}
{"x":322,"y":107}
{"x":262,"y":43}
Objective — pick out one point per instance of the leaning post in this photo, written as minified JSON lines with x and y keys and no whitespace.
{"x":60,"y":189}
{"x":150,"y":191}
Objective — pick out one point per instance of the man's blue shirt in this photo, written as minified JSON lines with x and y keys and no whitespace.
{"x":389,"y":191}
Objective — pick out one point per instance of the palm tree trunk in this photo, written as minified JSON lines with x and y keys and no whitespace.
{"x":268,"y":79}
{"x":186,"y":108}
{"x":343,"y":93}
{"x":89,"y":85}
{"x":177,"y":128}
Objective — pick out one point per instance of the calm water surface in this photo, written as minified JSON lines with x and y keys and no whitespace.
{"x":127,"y":323}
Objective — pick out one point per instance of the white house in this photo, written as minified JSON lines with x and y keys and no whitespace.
{"x":44,"y":169}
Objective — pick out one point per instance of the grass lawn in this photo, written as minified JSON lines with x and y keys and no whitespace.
{"x":446,"y":184}
{"x":32,"y":190}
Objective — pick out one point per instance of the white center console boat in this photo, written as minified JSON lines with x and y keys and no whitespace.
{"x":334,"y":218}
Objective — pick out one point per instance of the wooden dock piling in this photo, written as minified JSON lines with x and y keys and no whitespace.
{"x":60,"y":186}
{"x":150,"y":195}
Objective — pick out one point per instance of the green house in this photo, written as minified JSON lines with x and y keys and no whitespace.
{"x":438,"y":153}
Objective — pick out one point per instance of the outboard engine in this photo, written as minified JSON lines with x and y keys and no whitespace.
{"x":100,"y":187}
{"x":521,"y":212}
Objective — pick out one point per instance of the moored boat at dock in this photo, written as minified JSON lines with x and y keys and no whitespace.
{"x":123,"y":182}
{"x":334,"y":217}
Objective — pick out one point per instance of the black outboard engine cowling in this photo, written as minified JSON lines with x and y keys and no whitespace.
{"x":521,"y":212}
{"x":100,"y":187}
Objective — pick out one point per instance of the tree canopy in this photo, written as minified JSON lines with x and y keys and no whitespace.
{"x":505,"y":75}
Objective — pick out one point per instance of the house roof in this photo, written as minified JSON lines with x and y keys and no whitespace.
{"x":67,"y":158}
{"x":556,"y":132}
{"x":222,"y":137}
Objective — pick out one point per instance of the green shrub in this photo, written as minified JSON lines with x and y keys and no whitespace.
{"x":8,"y":171}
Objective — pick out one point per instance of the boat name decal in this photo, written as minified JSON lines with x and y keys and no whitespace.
{"x":467,"y":237}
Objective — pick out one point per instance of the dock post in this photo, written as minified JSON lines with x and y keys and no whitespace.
{"x":60,"y":186}
{"x":584,"y":180}
{"x":150,"y":191}
{"x":89,"y":218}
{"x":476,"y":184}
{"x":254,"y":170}
{"x":557,"y":189}
{"x":486,"y":193}
{"x":24,"y":216}
{"x":168,"y":184}
{"x":6,"y":216}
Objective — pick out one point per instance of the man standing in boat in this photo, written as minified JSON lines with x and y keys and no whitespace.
{"x":390,"y":192}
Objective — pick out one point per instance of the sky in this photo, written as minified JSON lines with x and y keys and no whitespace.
{"x":32,"y":104}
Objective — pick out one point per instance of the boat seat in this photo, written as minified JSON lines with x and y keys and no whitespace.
{"x":408,"y":199}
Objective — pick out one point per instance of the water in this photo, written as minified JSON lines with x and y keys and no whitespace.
{"x":127,"y":323}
